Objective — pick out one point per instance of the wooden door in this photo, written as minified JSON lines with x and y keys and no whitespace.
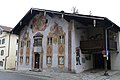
{"x":37,"y":61}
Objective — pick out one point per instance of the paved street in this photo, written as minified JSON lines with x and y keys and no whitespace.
{"x":6,"y":75}
{"x":30,"y":75}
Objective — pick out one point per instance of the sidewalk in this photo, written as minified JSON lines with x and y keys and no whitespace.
{"x":87,"y":75}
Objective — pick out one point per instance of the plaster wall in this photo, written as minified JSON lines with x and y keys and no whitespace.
{"x":8,"y":58}
{"x":11,"y":60}
{"x":115,"y":57}
{"x":80,"y":34}
{"x":61,"y":22}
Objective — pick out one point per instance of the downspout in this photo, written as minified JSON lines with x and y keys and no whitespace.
{"x":18,"y":51}
{"x":106,"y":50}
{"x":8,"y":51}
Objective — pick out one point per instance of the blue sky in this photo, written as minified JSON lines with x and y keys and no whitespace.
{"x":11,"y":11}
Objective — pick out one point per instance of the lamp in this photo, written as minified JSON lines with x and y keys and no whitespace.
{"x":94,"y":22}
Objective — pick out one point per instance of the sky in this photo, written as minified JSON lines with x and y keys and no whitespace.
{"x":12,"y":11}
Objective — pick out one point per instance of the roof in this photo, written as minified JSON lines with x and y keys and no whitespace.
{"x":38,"y":34}
{"x":6,"y":29}
{"x":84,"y":19}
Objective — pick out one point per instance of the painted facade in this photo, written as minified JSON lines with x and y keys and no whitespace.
{"x":54,"y":45}
{"x":52,"y":42}
{"x":8,"y":48}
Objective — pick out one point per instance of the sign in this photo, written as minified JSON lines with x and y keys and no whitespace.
{"x":107,"y":53}
{"x":104,"y":55}
{"x":103,"y":51}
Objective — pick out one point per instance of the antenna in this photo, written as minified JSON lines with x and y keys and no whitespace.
{"x":74,"y":10}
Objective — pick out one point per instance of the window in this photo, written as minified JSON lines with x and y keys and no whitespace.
{"x":22,"y":43}
{"x":61,"y":60}
{"x":27,"y":59}
{"x":37,"y":42}
{"x":28,"y":43}
{"x":21,"y":59}
{"x":49,"y":41}
{"x":17,"y":41}
{"x":61,"y":40}
{"x":2,"y":52}
{"x":49,"y":60}
{"x":16,"y":52}
{"x":1,"y":63}
{"x":0,"y":31}
{"x":0,"y":41}
{"x":3,"y":41}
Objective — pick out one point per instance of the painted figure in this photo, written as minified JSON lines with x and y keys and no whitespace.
{"x":78,"y":56}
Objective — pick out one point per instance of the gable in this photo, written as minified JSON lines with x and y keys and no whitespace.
{"x":84,"y":19}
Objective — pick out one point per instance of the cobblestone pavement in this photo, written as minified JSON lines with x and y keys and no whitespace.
{"x":86,"y":75}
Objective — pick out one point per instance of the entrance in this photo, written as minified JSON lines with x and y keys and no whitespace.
{"x":37,"y":60}
{"x":98,"y":61}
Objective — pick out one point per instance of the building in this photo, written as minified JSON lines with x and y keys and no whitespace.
{"x":59,"y":41}
{"x":8,"y":48}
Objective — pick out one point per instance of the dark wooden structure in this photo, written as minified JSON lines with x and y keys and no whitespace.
{"x":96,"y":45}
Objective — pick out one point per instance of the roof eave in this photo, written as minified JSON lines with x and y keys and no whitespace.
{"x":34,"y":11}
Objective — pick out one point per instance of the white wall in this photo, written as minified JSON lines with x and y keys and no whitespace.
{"x":115,"y":57}
{"x":9,"y":54}
{"x":78,"y":35}
{"x":4,"y":47}
{"x":10,"y":63}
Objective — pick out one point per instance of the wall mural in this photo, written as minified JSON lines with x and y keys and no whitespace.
{"x":56,"y":36}
{"x":78,"y":56}
{"x":39,"y":23}
{"x":55,"y":30}
{"x":25,"y":42}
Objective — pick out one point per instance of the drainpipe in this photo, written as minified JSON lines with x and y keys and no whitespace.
{"x":8,"y":51}
{"x":18,"y":51}
{"x":106,"y":49}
